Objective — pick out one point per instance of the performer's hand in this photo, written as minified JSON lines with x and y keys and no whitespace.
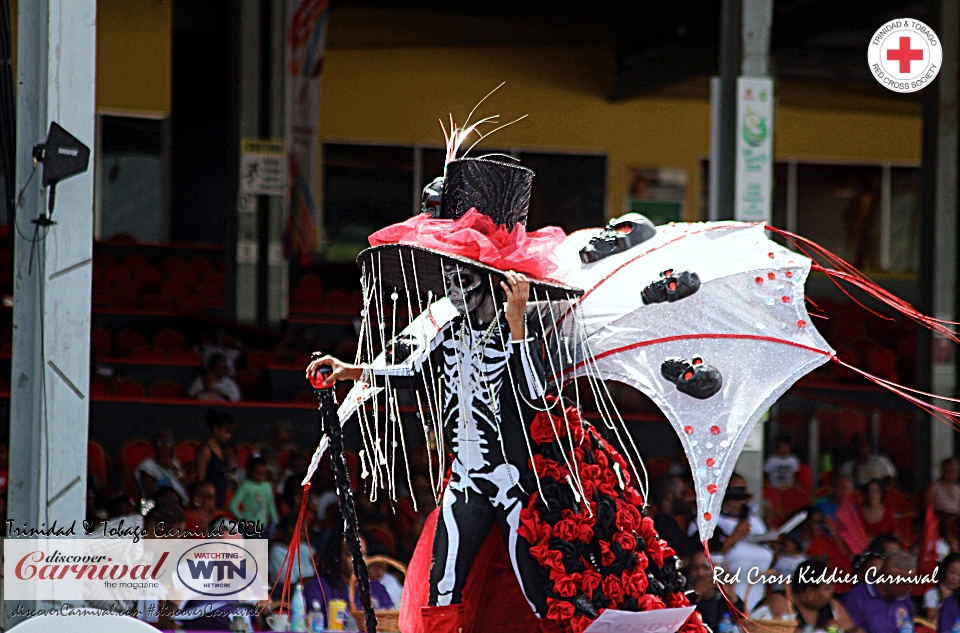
{"x":341,"y":370}
{"x":518,"y":292}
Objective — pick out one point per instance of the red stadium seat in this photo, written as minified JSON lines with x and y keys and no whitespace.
{"x":100,"y":342}
{"x":130,"y":389}
{"x":260,"y":359}
{"x":244,"y":451}
{"x":794,"y":499}
{"x":131,"y":455}
{"x":166,"y":389}
{"x":169,"y":340}
{"x":147,"y":353}
{"x":125,"y":342}
{"x":154,"y":302}
{"x":186,"y":450}
{"x":98,"y":465}
{"x":184,"y":356}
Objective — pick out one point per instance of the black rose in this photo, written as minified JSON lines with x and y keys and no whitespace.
{"x":600,"y":601}
{"x":606,"y":524}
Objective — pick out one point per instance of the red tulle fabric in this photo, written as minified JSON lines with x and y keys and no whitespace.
{"x":492,"y":599}
{"x":478,"y":237}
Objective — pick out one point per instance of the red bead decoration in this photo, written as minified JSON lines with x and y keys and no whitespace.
{"x":712,"y":488}
{"x":771,"y":276}
{"x":715,"y":430}
{"x":770,"y":255}
{"x":707,"y":516}
{"x":688,"y":430}
{"x":785,"y":299}
{"x":759,"y":280}
{"x":789,"y":274}
{"x":801,"y":323}
{"x":710,"y":461}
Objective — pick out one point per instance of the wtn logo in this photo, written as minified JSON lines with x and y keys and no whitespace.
{"x":218,"y":568}
{"x":224,"y":569}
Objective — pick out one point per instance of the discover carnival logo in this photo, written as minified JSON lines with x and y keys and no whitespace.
{"x":905,"y":55}
{"x":122,"y":569}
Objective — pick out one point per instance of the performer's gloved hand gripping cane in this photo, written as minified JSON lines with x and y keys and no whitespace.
{"x":323,"y":379}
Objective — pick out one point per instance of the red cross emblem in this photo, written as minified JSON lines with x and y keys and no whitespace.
{"x":905,"y":54}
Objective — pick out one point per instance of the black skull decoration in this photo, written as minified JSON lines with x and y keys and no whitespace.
{"x":620,"y":234}
{"x":672,"y":286}
{"x":400,"y":348}
{"x":692,"y":377}
{"x":432,"y":197}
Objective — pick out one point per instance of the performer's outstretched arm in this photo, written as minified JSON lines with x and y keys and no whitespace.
{"x":527,"y":352}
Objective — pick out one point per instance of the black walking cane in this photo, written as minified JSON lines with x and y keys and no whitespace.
{"x":330,"y":423}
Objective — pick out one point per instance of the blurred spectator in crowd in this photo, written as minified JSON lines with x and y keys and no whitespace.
{"x":884,"y":606}
{"x":383,"y":572}
{"x":736,"y":523}
{"x":948,"y":581}
{"x":215,"y":383}
{"x":944,"y":493}
{"x":876,"y":515}
{"x":781,"y":467}
{"x":840,"y":491}
{"x":710,"y":603}
{"x":220,"y":343}
{"x":276,"y":450}
{"x":867,"y":465}
{"x":336,"y":568}
{"x":254,"y":499}
{"x":814,"y":606}
{"x":215,"y":457}
{"x":162,"y":469}
{"x":202,"y":512}
{"x":188,"y":475}
{"x":424,"y":494}
{"x":664,"y":493}
{"x":789,"y":552}
{"x":870,"y":561}
{"x":298,"y":342}
{"x":279,"y":543}
{"x":165,"y":520}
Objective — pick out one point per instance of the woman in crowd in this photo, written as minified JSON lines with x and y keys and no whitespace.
{"x":944,"y":493}
{"x":215,"y":457}
{"x":202,"y":513}
{"x":949,"y":581}
{"x":876,"y":515}
{"x":814,"y":605}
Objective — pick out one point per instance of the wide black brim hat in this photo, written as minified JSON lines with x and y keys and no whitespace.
{"x":498,"y":190}
{"x":419,"y":270}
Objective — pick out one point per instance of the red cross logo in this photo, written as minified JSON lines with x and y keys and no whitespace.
{"x":905,"y":54}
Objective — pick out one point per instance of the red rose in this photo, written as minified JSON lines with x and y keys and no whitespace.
{"x":529,"y":527}
{"x":590,"y":580}
{"x":580,"y":623}
{"x":614,"y":590}
{"x":553,"y":561}
{"x":677,"y":600}
{"x":584,"y":532}
{"x":601,"y":458}
{"x":694,"y":624}
{"x":626,"y":540}
{"x":633,"y":497}
{"x":649,"y":602}
{"x":568,"y":586}
{"x":541,"y":428}
{"x":635,"y":582}
{"x":625,"y":518}
{"x":565,"y":530}
{"x":539,"y":552}
{"x":606,"y":556}
{"x":547,"y":468}
{"x":559,"y":610}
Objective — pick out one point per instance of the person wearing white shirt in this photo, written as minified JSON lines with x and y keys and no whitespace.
{"x":215,"y":383}
{"x":781,"y":467}
{"x":738,"y":522}
{"x":867,"y":466}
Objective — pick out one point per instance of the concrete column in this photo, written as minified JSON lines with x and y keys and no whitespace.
{"x":278,"y":305}
{"x":50,"y":375}
{"x":943,"y":375}
{"x":247,"y":236}
{"x":756,"y":19}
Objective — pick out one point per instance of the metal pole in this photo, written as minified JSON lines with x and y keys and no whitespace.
{"x":730,"y":47}
{"x":52,"y":275}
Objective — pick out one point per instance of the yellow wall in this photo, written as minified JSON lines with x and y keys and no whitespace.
{"x":133,"y":54}
{"x":397,"y":95}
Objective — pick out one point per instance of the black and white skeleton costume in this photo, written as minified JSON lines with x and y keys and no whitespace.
{"x":490,"y":387}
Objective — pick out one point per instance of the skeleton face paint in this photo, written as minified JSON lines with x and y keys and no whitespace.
{"x":619,"y":235}
{"x":692,"y":377}
{"x":463,"y":287}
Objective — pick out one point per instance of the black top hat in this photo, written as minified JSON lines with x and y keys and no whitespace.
{"x":495,"y":189}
